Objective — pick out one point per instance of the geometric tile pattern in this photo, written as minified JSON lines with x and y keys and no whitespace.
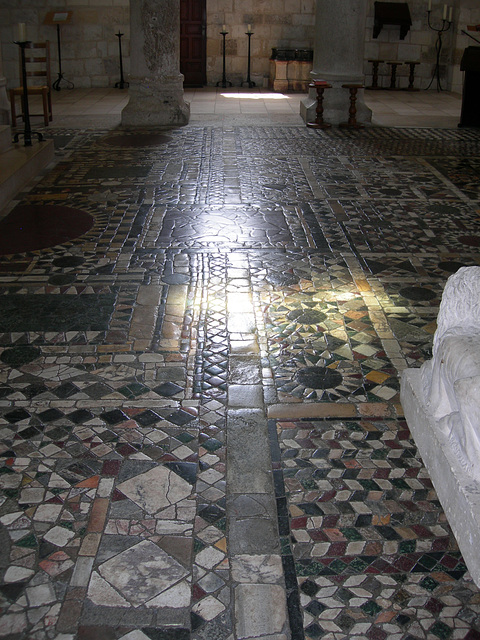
{"x":116,"y":371}
{"x":369,"y":544}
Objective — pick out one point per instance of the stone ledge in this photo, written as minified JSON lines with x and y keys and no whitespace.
{"x":458,"y":493}
{"x":19,"y":165}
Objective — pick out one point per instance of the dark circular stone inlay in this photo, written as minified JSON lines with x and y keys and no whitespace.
{"x":61,"y":279}
{"x":418,"y":293}
{"x":444,"y":208}
{"x":282,"y":279}
{"x":68,"y":261}
{"x":471,"y":241}
{"x":319,"y":377}
{"x":18,"y":356}
{"x":306,"y":316}
{"x":136,"y":140}
{"x":451,"y":266}
{"x":33,"y":227}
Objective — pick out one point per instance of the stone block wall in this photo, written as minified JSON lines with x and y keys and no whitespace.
{"x":89,"y":47}
{"x":286,"y":24}
{"x":419,"y":44}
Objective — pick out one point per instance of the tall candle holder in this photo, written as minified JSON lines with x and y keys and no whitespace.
{"x":248,"y":81}
{"x":57,"y":18}
{"x":446,"y":24}
{"x":27,"y":131}
{"x":224,"y":82}
{"x":61,"y":78}
{"x":121,"y":84}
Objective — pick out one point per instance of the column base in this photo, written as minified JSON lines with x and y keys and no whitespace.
{"x":156,"y":102}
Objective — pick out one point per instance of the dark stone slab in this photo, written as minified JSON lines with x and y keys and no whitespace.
{"x":49,"y":312}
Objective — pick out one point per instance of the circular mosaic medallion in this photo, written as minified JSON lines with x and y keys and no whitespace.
{"x":306,"y":316}
{"x":136,"y":140}
{"x":319,"y":377}
{"x":18,"y":356}
{"x":418,"y":293}
{"x":34,"y":227}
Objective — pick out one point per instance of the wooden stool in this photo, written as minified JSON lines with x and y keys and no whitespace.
{"x":411,"y":78}
{"x":375,"y":64}
{"x":352,"y":120}
{"x":320,"y":86}
{"x":393,"y":79}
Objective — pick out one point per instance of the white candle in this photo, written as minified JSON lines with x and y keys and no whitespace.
{"x":444,"y":11}
{"x":249,"y":28}
{"x":224,"y":28}
{"x":429,"y":5}
{"x":22,"y":32}
{"x":450,"y":14}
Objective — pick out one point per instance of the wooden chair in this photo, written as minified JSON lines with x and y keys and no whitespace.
{"x":37,"y":64}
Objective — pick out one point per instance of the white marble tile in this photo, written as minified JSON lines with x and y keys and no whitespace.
{"x":17,"y":574}
{"x":208,"y":608}
{"x":59,"y":536}
{"x":159,"y":572}
{"x":176,"y":597}
{"x":101,"y":593}
{"x":156,"y":489}
{"x":257,"y":568}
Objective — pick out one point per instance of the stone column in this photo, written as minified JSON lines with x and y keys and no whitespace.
{"x":4,"y":103}
{"x":338,"y":59}
{"x":156,"y":84}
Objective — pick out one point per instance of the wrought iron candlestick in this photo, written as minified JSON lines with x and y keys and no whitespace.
{"x":56,"y":84}
{"x":248,"y":81}
{"x":27,"y":131}
{"x":121,"y":84}
{"x":224,"y":82}
{"x":446,"y":24}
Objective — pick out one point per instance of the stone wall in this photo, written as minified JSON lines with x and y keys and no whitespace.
{"x":419,"y":44}
{"x":287,"y":24}
{"x":89,"y":47}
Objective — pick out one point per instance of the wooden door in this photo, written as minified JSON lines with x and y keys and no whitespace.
{"x":192,"y":42}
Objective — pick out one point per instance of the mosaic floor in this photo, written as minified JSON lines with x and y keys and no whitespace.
{"x":201,"y":338}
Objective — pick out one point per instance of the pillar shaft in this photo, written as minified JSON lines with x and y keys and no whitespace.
{"x":338,"y":58}
{"x":156,"y":84}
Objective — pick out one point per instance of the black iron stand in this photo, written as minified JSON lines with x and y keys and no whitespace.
{"x":438,"y":48}
{"x":248,"y":81}
{"x":121,"y":84}
{"x":56,"y":84}
{"x":224,"y":82}
{"x":27,"y":131}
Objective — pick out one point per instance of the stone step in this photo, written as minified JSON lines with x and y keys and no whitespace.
{"x":19,"y":164}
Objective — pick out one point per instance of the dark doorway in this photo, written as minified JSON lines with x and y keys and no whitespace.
{"x":192,"y":42}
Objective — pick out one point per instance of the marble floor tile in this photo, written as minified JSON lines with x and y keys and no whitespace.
{"x":230,"y":271}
